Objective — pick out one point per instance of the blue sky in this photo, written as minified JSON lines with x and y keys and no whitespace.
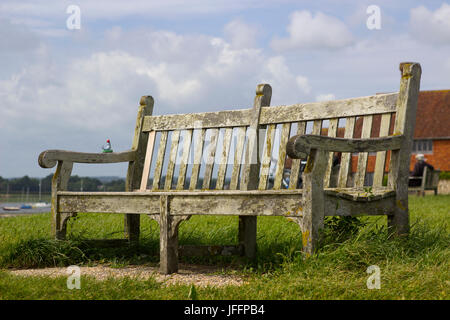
{"x":73,"y":89}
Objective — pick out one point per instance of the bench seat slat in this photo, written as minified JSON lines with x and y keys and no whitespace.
{"x":224,"y":202}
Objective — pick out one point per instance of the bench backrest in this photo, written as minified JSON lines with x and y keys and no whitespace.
{"x":234,"y":148}
{"x":431,"y":178}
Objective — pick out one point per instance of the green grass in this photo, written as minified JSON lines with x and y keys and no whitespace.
{"x":413,"y":268}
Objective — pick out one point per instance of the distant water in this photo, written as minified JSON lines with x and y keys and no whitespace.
{"x":20,"y":211}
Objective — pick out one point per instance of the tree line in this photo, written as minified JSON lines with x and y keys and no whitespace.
{"x":76,"y":183}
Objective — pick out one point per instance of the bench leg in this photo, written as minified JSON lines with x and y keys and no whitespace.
{"x":168,"y":238}
{"x":132,"y":227}
{"x":247,"y":235}
{"x":60,"y":224}
{"x":398,"y":223}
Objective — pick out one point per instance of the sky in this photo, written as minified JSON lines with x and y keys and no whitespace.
{"x":72,"y":72}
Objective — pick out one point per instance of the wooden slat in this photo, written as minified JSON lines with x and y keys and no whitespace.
{"x":267,"y":156}
{"x":380,"y":160}
{"x":377,"y":104}
{"x":172,"y":159}
{"x":238,"y":151}
{"x":184,"y":159}
{"x":210,"y":158}
{"x":281,"y":155}
{"x":224,"y":158}
{"x":160,"y":160}
{"x":148,"y":160}
{"x":295,"y":169}
{"x":220,"y":119}
{"x":345,"y":158}
{"x":317,"y":127}
{"x":362,"y":158}
{"x":198,"y":151}
{"x":332,"y":131}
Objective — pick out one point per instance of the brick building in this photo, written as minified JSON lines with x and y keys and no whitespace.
{"x":431,"y":134}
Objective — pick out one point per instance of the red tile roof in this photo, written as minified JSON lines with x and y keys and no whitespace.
{"x":432,"y":119}
{"x":433,"y":114}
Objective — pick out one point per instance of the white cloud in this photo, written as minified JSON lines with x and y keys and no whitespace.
{"x":431,"y":26}
{"x":313,"y":32}
{"x":240,"y":34}
{"x":325,"y":97}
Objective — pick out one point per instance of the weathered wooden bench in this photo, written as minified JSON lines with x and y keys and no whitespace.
{"x":429,"y":181}
{"x":158,"y":185}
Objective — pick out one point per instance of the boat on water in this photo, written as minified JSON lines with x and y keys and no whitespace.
{"x":11,"y":208}
{"x":25,"y":206}
{"x":41,"y":205}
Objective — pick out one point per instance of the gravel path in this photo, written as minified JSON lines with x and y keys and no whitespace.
{"x":201,"y":276}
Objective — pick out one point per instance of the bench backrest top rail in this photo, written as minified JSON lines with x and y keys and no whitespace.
{"x":370,"y":105}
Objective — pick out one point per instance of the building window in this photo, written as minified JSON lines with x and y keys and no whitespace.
{"x":422,"y":146}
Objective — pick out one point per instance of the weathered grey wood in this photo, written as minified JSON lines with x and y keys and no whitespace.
{"x":224,"y":158}
{"x":380,"y":160}
{"x":210,"y":156}
{"x":286,"y":129}
{"x":206,"y":120}
{"x":168,"y":237}
{"x":184,"y":159}
{"x":136,"y":167}
{"x":376,"y":104}
{"x":306,"y":206}
{"x":300,"y":145}
{"x":160,"y":160}
{"x":148,"y":160}
{"x":405,"y":120}
{"x":60,"y":181}
{"x":339,"y":205}
{"x":238,"y":151}
{"x":198,"y":151}
{"x":332,"y":132}
{"x":362,"y":157}
{"x":251,"y":168}
{"x":346,"y":157}
{"x":295,"y":169}
{"x":267,"y":157}
{"x":172,"y":159}
{"x":48,"y":158}
{"x":313,"y":200}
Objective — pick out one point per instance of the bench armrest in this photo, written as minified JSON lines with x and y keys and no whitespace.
{"x":299,"y":146}
{"x":48,"y":158}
